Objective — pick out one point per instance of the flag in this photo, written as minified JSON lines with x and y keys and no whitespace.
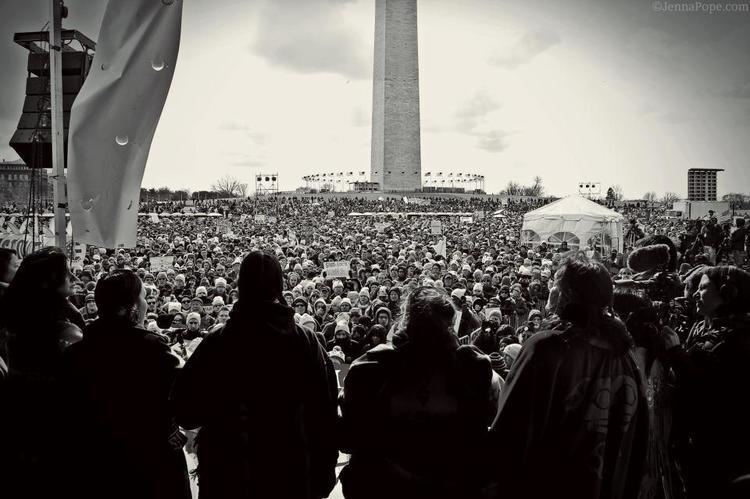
{"x":114,"y":118}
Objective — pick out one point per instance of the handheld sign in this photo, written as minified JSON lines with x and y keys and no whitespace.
{"x":436,"y":227}
{"x":159,"y":263}
{"x":337,"y":269}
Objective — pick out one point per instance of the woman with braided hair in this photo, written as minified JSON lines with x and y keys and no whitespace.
{"x":713,"y":368}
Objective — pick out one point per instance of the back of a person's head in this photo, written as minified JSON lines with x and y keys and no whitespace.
{"x":117,"y":295}
{"x":36,"y":287}
{"x":584,"y":283}
{"x":428,"y":316}
{"x":260,"y":279}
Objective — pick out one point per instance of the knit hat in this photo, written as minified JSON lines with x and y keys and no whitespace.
{"x":201,"y":291}
{"x":346,"y":301}
{"x":174,"y":307}
{"x":477,"y":287}
{"x":220,"y":281}
{"x":307,"y":320}
{"x":218,"y":300}
{"x":458,"y":293}
{"x":193,"y":315}
{"x":342,"y":326}
{"x":299,"y":301}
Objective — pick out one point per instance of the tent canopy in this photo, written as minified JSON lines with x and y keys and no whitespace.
{"x":574,"y":219}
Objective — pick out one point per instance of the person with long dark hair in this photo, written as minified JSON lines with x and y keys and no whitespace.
{"x":267,"y":427}
{"x":117,"y":382}
{"x":415,"y":416}
{"x":34,"y":313}
{"x":713,"y":368}
{"x":573,"y":418}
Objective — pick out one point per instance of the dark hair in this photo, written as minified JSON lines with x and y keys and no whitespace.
{"x":585,"y":295}
{"x":35,"y":287}
{"x":377,"y":330}
{"x":117,"y":293}
{"x":33,"y":306}
{"x":428,"y":317}
{"x":733,"y":284}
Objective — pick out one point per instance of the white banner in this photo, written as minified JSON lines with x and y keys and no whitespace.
{"x":436,"y":227}
{"x":114,"y":117}
{"x":337,"y":269}
{"x":159,"y":263}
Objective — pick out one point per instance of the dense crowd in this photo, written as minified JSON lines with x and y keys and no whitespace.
{"x":477,"y":366}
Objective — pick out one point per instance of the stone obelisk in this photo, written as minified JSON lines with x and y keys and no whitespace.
{"x":395,"y":156}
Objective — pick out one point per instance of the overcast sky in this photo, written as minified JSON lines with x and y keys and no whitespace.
{"x":611,"y":91}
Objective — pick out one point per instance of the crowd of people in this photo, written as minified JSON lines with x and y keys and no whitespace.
{"x":477,"y":366}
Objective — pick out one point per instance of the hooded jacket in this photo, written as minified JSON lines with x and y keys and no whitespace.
{"x":260,"y":390}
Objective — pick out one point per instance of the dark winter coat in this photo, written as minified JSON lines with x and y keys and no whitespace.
{"x":261,"y":392}
{"x":416,"y":425}
{"x":573,"y":418}
{"x":122,"y":433}
{"x":712,"y":371}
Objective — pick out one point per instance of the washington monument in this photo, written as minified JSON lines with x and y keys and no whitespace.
{"x":395,"y":156}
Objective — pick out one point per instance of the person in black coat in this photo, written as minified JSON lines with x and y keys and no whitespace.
{"x":123,"y":436}
{"x":34,"y":313}
{"x":263,"y":397}
{"x":415,"y":415}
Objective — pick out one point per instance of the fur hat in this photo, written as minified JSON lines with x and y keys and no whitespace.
{"x":649,"y":258}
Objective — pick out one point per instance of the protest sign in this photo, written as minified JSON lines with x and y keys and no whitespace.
{"x":436,"y":227}
{"x":337,"y":269}
{"x":159,"y":263}
{"x":260,"y":218}
{"x":271,"y":219}
{"x":381,"y":226}
{"x":466,"y":220}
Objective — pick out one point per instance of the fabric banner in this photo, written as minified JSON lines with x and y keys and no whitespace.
{"x":114,"y":117}
{"x":22,"y":245}
{"x":159,"y":263}
{"x":337,"y":269}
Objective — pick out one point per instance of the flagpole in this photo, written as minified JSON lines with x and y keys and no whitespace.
{"x":58,"y":152}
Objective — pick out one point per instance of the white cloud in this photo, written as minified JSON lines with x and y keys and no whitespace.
{"x":530,"y":45}
{"x":310,"y":37}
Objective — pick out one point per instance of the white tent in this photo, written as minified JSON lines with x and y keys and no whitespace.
{"x":575,"y":219}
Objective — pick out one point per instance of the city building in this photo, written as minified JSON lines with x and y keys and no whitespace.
{"x":702,"y":184}
{"x":15,"y":181}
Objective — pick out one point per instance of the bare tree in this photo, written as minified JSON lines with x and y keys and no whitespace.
{"x":617,"y":191}
{"x":229,"y":187}
{"x":537,"y":189}
{"x":650,"y":196}
{"x":669,"y":198}
{"x":513,"y":189}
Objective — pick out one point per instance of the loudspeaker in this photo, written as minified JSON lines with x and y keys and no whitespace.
{"x":32,"y":138}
